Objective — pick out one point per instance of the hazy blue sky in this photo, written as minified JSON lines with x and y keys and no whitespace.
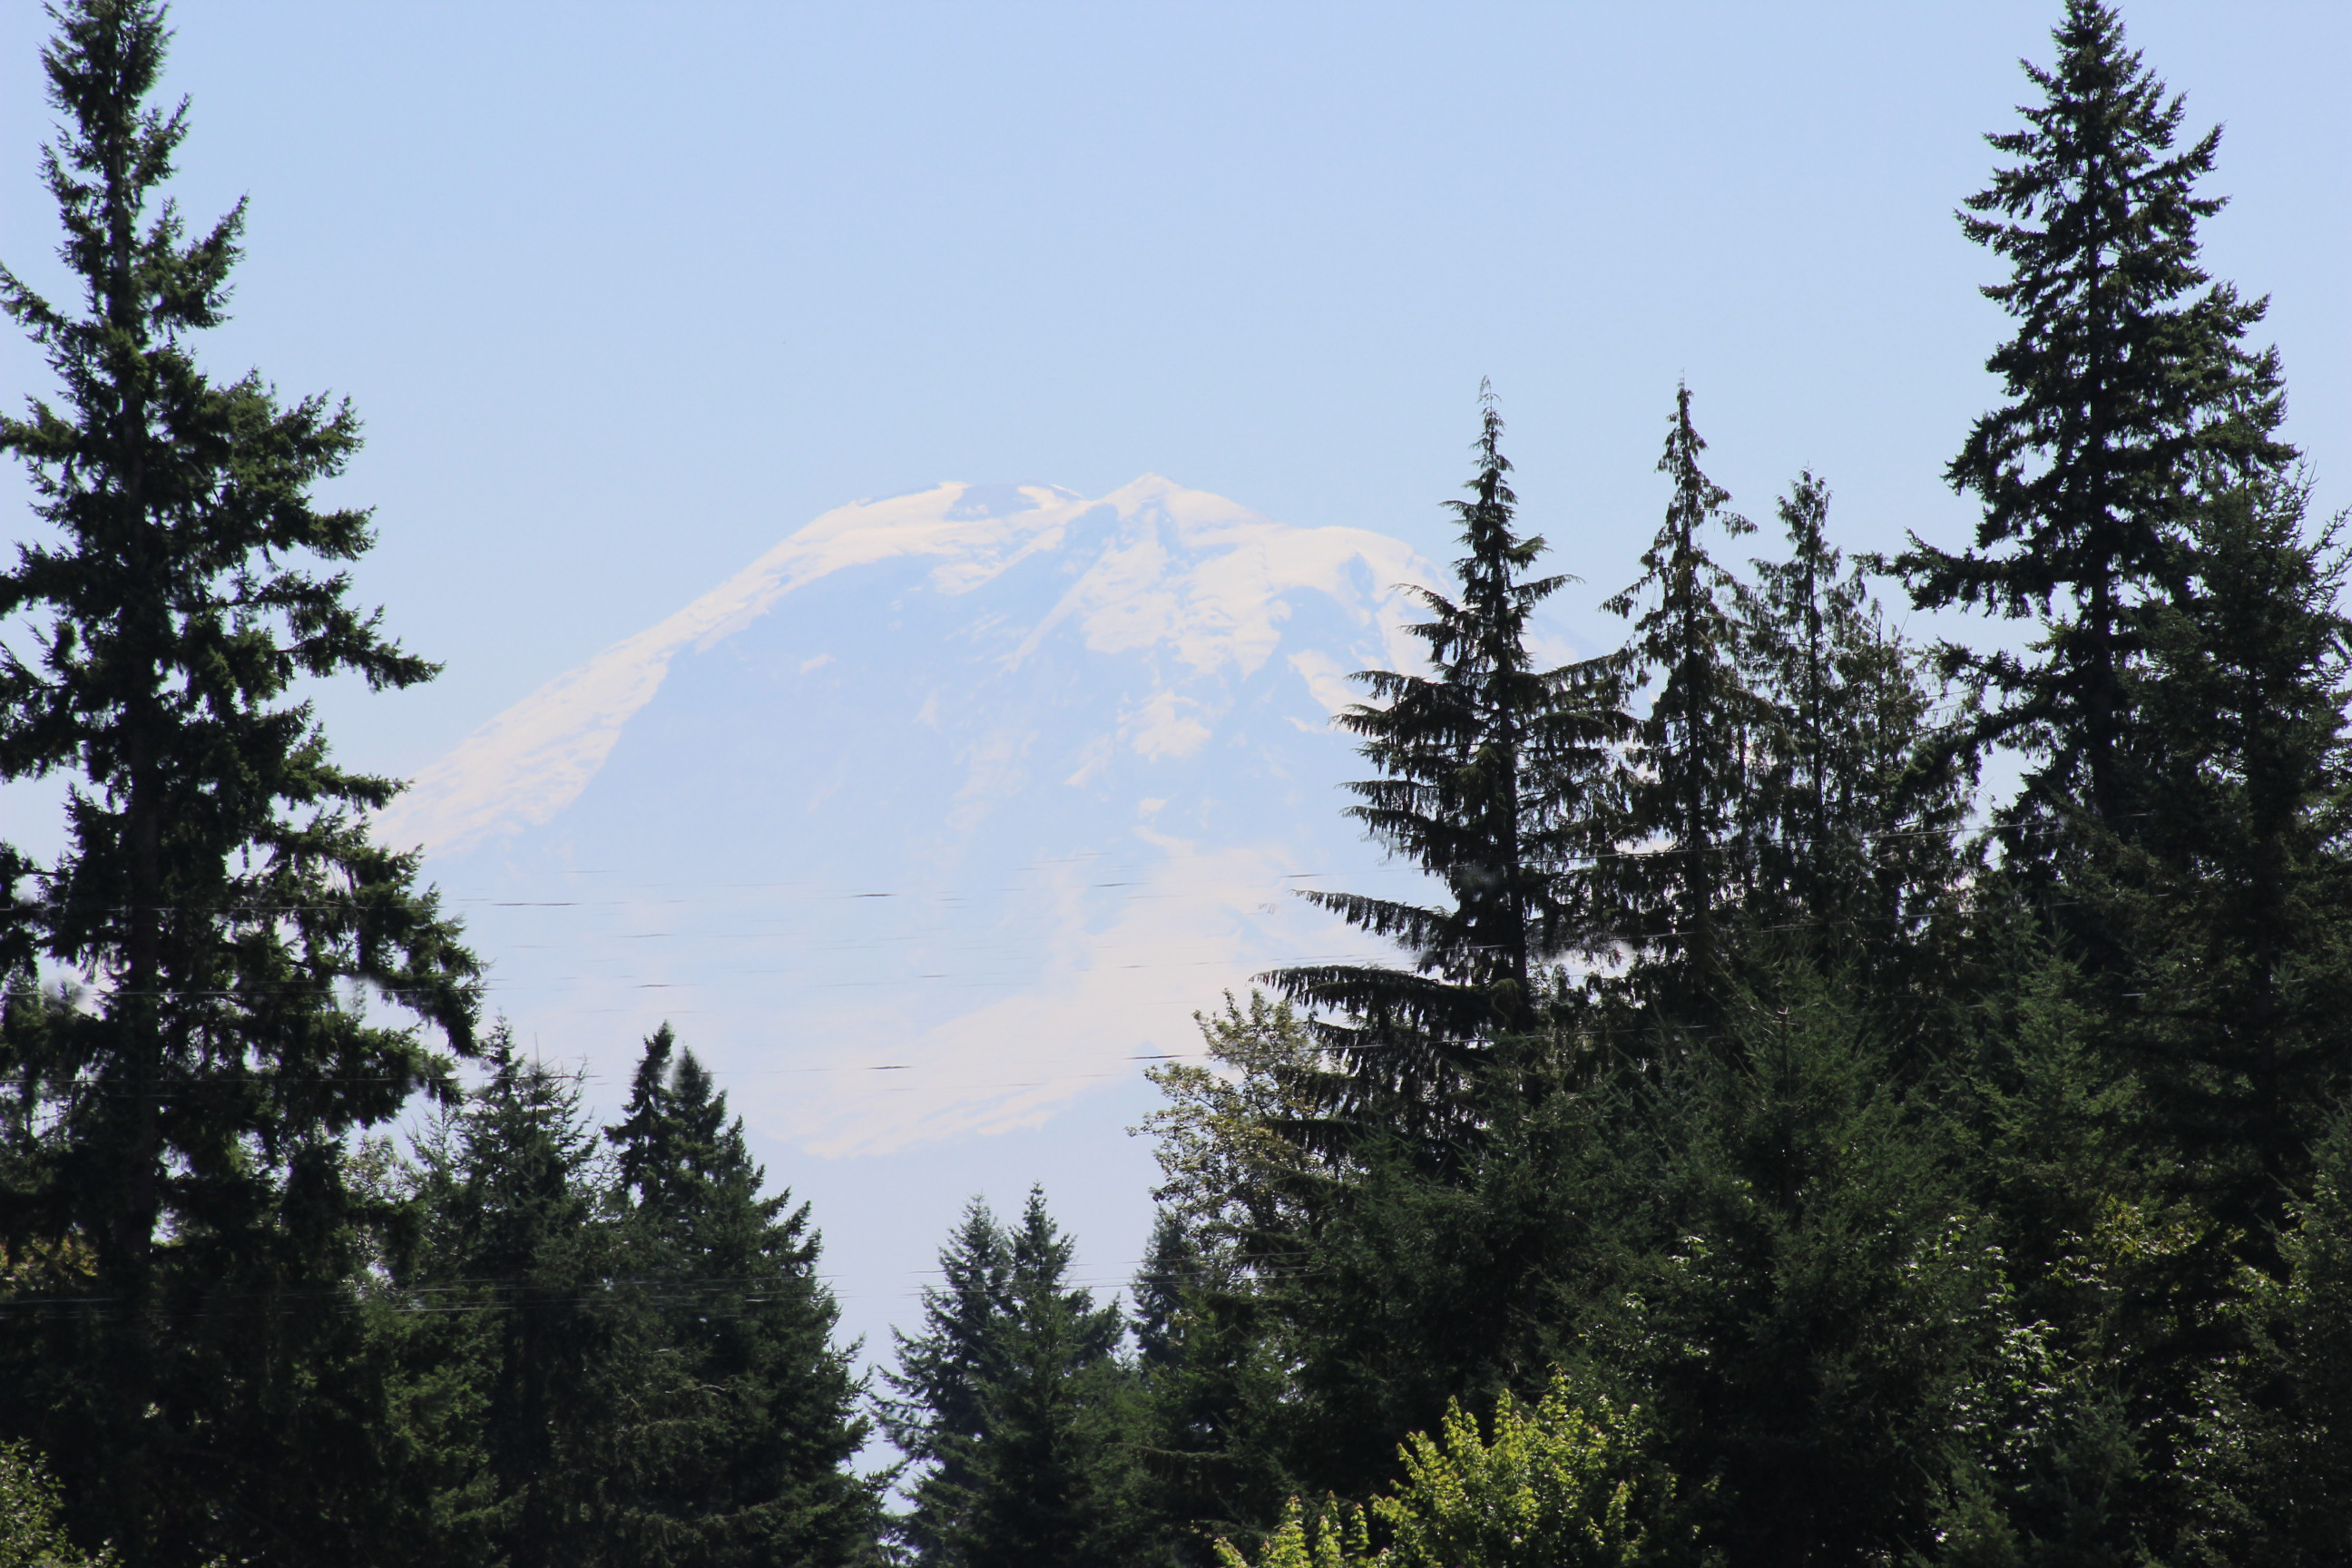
{"x":625,"y":294}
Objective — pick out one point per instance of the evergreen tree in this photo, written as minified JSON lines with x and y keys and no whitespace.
{"x":2271,"y":1462}
{"x":1812,"y":1297}
{"x":1851,"y":812}
{"x":219,"y":894}
{"x":2129,"y":384}
{"x":1691,"y":752}
{"x":745,"y":1458}
{"x":1210,"y":1386}
{"x":526,"y":1358}
{"x":2233,"y":901}
{"x":1496,"y":778}
{"x":1214,"y":1353}
{"x":1028,"y":1473}
{"x":1172,"y":1270}
{"x":942,"y":1372}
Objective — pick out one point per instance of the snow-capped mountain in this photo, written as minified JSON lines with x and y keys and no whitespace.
{"x":945,"y":810}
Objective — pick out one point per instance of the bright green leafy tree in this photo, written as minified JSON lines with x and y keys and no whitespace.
{"x":1563,"y":1483}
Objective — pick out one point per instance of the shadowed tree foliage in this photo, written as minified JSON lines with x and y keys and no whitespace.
{"x":1690,"y":754}
{"x":1498,"y":780}
{"x":744,"y":1459}
{"x":522,"y":1375}
{"x":1853,"y":808}
{"x":219,"y":899}
{"x":2129,"y":384}
{"x":1014,"y":1402}
{"x":2231,"y":902}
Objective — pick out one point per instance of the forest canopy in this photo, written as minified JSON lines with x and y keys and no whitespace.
{"x":1769,"y":1142}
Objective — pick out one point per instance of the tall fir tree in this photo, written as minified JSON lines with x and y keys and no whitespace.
{"x":525,"y":1357}
{"x":219,"y":895}
{"x":2231,"y":900}
{"x":745,"y":1457}
{"x":1690,"y":754}
{"x":2129,"y":384}
{"x":1016,"y":1401}
{"x":1497,"y":779}
{"x":937,"y":1414}
{"x":1853,"y":813}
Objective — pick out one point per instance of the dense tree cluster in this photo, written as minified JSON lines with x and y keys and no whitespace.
{"x":1775,"y":1150}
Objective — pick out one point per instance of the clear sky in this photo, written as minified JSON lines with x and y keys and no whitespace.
{"x":624,"y":292}
{"x":627,"y":292}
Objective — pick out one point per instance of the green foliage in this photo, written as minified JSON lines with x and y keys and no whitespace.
{"x":1883,"y":1198}
{"x":1014,"y":1402}
{"x":2231,"y":906}
{"x":1498,"y":780}
{"x":1853,"y":813}
{"x":613,"y":1348}
{"x":741,"y":1441}
{"x":2271,"y":1476}
{"x":2129,"y":390}
{"x":30,"y":1535}
{"x":182,"y":1120}
{"x":519,"y":1375}
{"x":1560,"y":1484}
{"x":1690,"y":754}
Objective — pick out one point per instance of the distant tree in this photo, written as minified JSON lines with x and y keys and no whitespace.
{"x":1852,"y":807}
{"x":531,"y":1359}
{"x":1014,"y":1400}
{"x":2129,"y":387}
{"x":937,"y":1413}
{"x":1172,"y":1270}
{"x":1497,"y":779}
{"x":219,"y":896}
{"x":753,"y":1419}
{"x":1212,"y":1343}
{"x":1690,"y":754}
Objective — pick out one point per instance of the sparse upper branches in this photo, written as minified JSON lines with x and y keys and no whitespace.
{"x":1690,"y":754}
{"x":1497,"y":778}
{"x":2129,"y":387}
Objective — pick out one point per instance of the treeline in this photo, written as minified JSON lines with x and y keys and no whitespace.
{"x":1777,"y":1149}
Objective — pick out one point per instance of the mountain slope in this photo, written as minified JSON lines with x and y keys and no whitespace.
{"x":947,"y":808}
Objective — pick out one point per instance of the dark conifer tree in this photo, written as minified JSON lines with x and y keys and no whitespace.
{"x":2129,"y":384}
{"x":1031,"y":1473}
{"x":2270,"y":1465}
{"x":754,"y":1420}
{"x":1496,"y":778}
{"x":1208,"y":1385}
{"x":219,"y":895}
{"x":1810,"y":1299}
{"x":2233,"y":901}
{"x":1173,"y":1268}
{"x":528,"y":1357}
{"x":1851,"y":812}
{"x":1691,"y":751}
{"x":937,"y":1414}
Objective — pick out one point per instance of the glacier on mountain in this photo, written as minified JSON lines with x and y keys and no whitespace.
{"x":947,"y":808}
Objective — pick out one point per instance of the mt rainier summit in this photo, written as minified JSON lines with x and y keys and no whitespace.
{"x":946,"y":809}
